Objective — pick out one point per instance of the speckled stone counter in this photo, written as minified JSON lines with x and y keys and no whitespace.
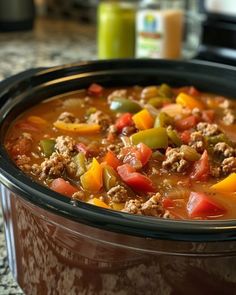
{"x":52,"y":42}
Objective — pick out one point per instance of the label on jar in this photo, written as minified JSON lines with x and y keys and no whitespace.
{"x":159,"y":33}
{"x":150,"y":34}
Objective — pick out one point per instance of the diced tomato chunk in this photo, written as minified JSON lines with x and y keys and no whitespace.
{"x":135,"y":180}
{"x":193,"y":91}
{"x":188,"y":90}
{"x":208,"y":116}
{"x":185,"y":136}
{"x":95,"y":89}
{"x":201,"y":168}
{"x":63,"y":187}
{"x":186,"y":123}
{"x":124,"y":121}
{"x":145,"y":153}
{"x":168,"y":203}
{"x":201,"y":205}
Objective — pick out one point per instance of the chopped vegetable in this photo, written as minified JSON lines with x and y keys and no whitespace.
{"x":143,"y":120}
{"x":185,"y":136}
{"x":159,"y":102}
{"x":163,"y":120}
{"x":201,"y":168}
{"x":218,"y":138}
{"x":173,"y":136}
{"x":173,"y":110}
{"x":110,"y":177}
{"x":123,"y":105}
{"x":228,"y":184}
{"x":92,"y":179}
{"x":123,"y":121}
{"x":36,"y":120}
{"x":80,"y":128}
{"x":208,"y":116}
{"x":189,"y":101}
{"x":63,"y":187}
{"x":135,"y":180}
{"x":155,"y":138}
{"x":202,"y":205}
{"x":111,"y":160}
{"x":137,"y":156}
{"x":165,"y":91}
{"x":190,"y":153}
{"x":99,"y":203}
{"x":186,"y":123}
{"x":80,"y":162}
{"x":95,"y":89}
{"x":149,"y":92}
{"x":47,"y":146}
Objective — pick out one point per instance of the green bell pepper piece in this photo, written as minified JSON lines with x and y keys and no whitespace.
{"x":123,"y":105}
{"x":155,"y":138}
{"x":80,"y":162}
{"x":158,"y":102}
{"x":165,"y":91}
{"x":48,"y":146}
{"x":173,"y":136}
{"x":109,"y":177}
{"x":163,"y":120}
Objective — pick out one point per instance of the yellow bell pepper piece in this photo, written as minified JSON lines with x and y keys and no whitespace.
{"x":99,"y":203}
{"x":189,"y":101}
{"x":36,"y":120}
{"x":92,"y":179}
{"x":143,"y":120}
{"x":80,"y":128}
{"x":228,"y":184}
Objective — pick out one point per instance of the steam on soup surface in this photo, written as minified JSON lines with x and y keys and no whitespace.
{"x":156,"y":150}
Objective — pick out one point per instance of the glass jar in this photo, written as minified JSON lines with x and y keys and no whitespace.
{"x":116,"y":29}
{"x":163,"y":29}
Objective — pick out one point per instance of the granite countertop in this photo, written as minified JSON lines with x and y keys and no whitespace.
{"x":50,"y":43}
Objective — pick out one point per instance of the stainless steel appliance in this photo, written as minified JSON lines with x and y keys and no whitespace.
{"x":218,"y":42}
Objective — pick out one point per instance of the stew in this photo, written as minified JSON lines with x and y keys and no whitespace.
{"x":156,"y":150}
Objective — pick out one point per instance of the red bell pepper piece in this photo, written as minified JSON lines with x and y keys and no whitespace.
{"x":95,"y":89}
{"x":123,"y":121}
{"x":201,"y":205}
{"x":111,"y":159}
{"x":135,"y":180}
{"x":63,"y":187}
{"x":201,"y":168}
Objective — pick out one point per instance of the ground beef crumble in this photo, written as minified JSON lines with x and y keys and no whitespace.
{"x":197,"y":141}
{"x":175,"y":161}
{"x":118,"y":194}
{"x":208,"y":129}
{"x":100,"y":118}
{"x":229,"y":165}
{"x":65,"y":144}
{"x":120,"y":93}
{"x":54,"y":166}
{"x":67,"y":117}
{"x":152,"y":207}
{"x":224,"y":150}
{"x":229,"y":117}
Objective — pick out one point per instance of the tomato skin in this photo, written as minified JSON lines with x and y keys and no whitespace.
{"x":145,"y":153}
{"x":63,"y":187}
{"x":135,"y":180}
{"x":123,"y":121}
{"x":26,"y":126}
{"x":201,"y":168}
{"x":208,"y":116}
{"x":95,"y":89}
{"x":201,"y":205}
{"x":185,"y":136}
{"x":168,"y":203}
{"x":186,"y":123}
